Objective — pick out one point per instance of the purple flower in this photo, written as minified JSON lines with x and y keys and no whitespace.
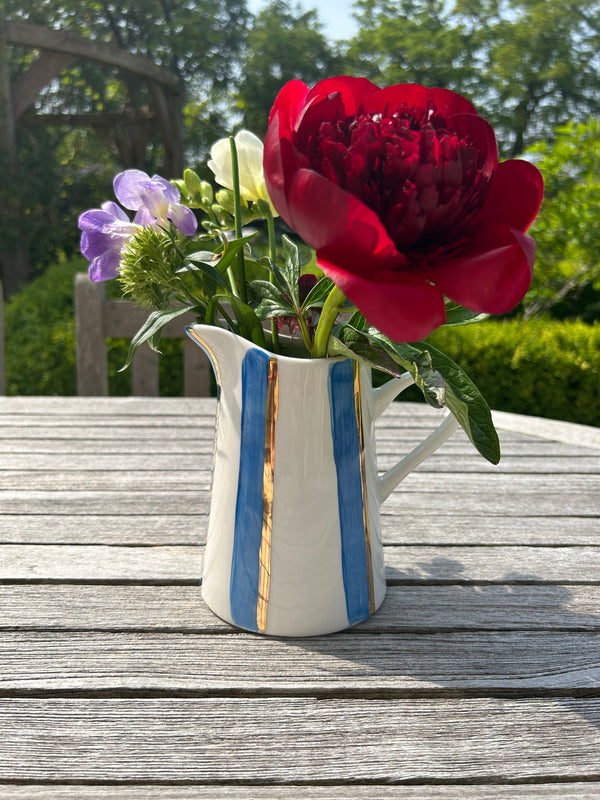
{"x":108,"y":229}
{"x":105,"y":231}
{"x":154,"y":199}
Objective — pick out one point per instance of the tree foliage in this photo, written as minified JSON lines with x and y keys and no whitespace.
{"x":567,"y":234}
{"x":198,"y":41}
{"x":283,"y":44}
{"x":529,"y":65}
{"x":538,"y":60}
{"x":91,"y":120}
{"x":412,"y":41}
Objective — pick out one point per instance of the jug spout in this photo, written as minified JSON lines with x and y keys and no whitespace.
{"x":225,"y":349}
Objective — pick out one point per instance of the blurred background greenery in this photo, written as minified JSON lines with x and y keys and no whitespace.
{"x":69,"y":122}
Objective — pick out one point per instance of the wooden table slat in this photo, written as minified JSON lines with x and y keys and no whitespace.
{"x":405,"y":564}
{"x":188,"y":529}
{"x":537,"y":791}
{"x":413,"y":608}
{"x":299,"y":740}
{"x":521,"y":662}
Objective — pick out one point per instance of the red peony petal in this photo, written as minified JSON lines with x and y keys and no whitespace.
{"x":353,"y":91}
{"x":273,"y":168}
{"x":280,"y":163}
{"x":479,"y":133}
{"x":337,"y":223}
{"x":491,"y":275}
{"x":413,"y":94}
{"x":403,"y":308}
{"x":514,"y":196}
{"x":287,"y":105}
{"x":279,"y":158}
{"x":312,"y":115}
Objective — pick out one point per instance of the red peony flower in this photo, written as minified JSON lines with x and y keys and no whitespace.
{"x":400,"y":192}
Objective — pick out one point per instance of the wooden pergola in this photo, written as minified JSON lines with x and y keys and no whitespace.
{"x":57,"y":50}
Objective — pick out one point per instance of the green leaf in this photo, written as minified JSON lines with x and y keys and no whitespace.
{"x":315,"y":297}
{"x":205,"y":268}
{"x":418,"y":362}
{"x":306,"y":255}
{"x":231,"y":250}
{"x":272,"y":302}
{"x":249,"y":324}
{"x":467,"y":404}
{"x":268,"y":291}
{"x":292,"y":268}
{"x":366,"y":354}
{"x":215,"y":305}
{"x":203,"y":255}
{"x":459,"y":315}
{"x":427,"y":365}
{"x":288,"y":276}
{"x":267,"y":309}
{"x":151,"y":329}
{"x":283,"y":278}
{"x":357,"y":321}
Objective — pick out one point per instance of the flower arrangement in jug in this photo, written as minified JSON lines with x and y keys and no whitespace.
{"x":401,"y":219}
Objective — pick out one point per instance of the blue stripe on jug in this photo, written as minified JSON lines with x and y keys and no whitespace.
{"x":245,"y":564}
{"x":346,"y":453}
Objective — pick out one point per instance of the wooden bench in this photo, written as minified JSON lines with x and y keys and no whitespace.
{"x":98,"y":319}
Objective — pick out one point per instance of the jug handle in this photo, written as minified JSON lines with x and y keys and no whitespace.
{"x":382,"y":397}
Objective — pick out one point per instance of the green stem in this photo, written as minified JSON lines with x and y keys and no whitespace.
{"x":230,"y":271}
{"x":305,"y":333}
{"x":237,"y":211}
{"x":331,"y":309}
{"x":272,"y":256}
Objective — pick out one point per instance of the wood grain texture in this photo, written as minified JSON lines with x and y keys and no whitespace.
{"x":478,"y":678}
{"x":439,"y":664}
{"x":424,"y":608}
{"x":298,"y":740}
{"x":420,"y":499}
{"x":405,"y":564}
{"x":200,"y":458}
{"x":538,"y":791}
{"x":153,"y":480}
{"x":188,"y":529}
{"x":196,"y":438}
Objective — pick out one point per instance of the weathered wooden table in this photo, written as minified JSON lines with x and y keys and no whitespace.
{"x":478,"y":678}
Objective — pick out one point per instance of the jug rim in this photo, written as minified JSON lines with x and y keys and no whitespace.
{"x":198,"y":327}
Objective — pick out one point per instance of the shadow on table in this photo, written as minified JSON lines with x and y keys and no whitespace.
{"x":436,"y":595}
{"x":440,"y":633}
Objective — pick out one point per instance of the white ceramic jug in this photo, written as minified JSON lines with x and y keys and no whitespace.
{"x":293,"y":544}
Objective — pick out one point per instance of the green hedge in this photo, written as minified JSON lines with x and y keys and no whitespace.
{"x":39,"y":332}
{"x":543,"y":367}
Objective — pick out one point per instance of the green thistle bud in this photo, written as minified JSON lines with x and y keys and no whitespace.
{"x":149,"y":263}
